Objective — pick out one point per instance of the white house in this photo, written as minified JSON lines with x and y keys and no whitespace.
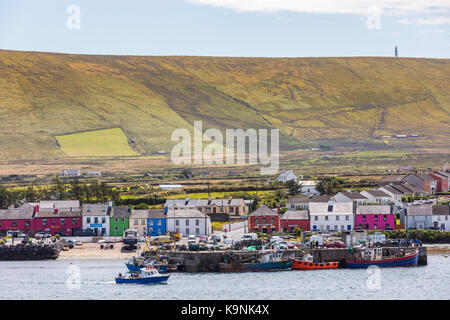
{"x":297,"y":203}
{"x":189,"y":222}
{"x":331,"y":216}
{"x":94,"y":173}
{"x":419,"y":216}
{"x":376,"y":196}
{"x":350,"y":197}
{"x":309,"y":187}
{"x":96,"y":218}
{"x":287,"y":175}
{"x":70,"y":173}
{"x":395,"y":195}
{"x":138,"y":221}
{"x":440,"y":217}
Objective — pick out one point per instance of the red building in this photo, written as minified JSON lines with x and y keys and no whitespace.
{"x":57,"y":221}
{"x":20,"y":219}
{"x":442,"y":181}
{"x":293,"y":219}
{"x":264,"y":220}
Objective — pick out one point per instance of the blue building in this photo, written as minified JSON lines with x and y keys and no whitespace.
{"x":156,"y":223}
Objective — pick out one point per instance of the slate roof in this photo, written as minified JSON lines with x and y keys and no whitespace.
{"x":156,"y":214}
{"x":17,"y":213}
{"x":50,"y":213}
{"x":354,"y":195}
{"x":441,"y":210}
{"x":298,"y":199}
{"x":377,"y":193}
{"x":295,"y":215}
{"x":319,"y":199}
{"x":392,"y":190}
{"x":420,"y":210}
{"x":263,"y":211}
{"x":95,"y":209}
{"x":120,"y":212}
{"x":185,"y":214}
{"x":373,"y":209}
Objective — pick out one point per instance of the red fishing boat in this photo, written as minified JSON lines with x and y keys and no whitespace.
{"x":307,"y":263}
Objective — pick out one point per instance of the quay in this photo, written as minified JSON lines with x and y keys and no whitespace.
{"x":208,"y":261}
{"x":29,"y":252}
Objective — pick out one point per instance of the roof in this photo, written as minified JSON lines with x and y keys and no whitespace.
{"x":120,"y":212}
{"x":295,"y":215}
{"x":95,"y":209}
{"x":298,"y":199}
{"x":377,"y":193}
{"x":419,"y":210}
{"x":140,"y":214}
{"x":423,"y":176}
{"x":396,"y":178}
{"x":319,"y":199}
{"x":50,"y":213}
{"x":373,"y":209}
{"x":59,"y":204}
{"x":263,"y":211}
{"x":186,"y":214}
{"x":402,"y":189}
{"x":441,"y":210}
{"x":193,"y":203}
{"x":321,"y":208}
{"x":412,"y":188}
{"x":17,"y":213}
{"x":286,"y":173}
{"x":440,"y":175}
{"x":353,"y":195}
{"x":308,"y":183}
{"x":391,"y":190}
{"x":156,"y":214}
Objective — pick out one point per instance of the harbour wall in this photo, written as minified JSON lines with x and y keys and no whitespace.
{"x":29,"y":252}
{"x":208,"y":261}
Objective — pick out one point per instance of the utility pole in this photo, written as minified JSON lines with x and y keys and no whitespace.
{"x":396,"y":51}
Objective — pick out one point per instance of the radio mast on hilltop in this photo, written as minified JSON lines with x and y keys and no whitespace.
{"x":396,"y":51}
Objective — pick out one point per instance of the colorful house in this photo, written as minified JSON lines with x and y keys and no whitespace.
{"x":374,"y":217}
{"x":96,"y":218}
{"x":119,"y":221}
{"x":156,"y":223}
{"x":264,"y":220}
{"x":292,"y":219}
{"x":20,"y":219}
{"x":331,"y":215}
{"x":442,"y":181}
{"x":138,"y":221}
{"x":65,"y":222}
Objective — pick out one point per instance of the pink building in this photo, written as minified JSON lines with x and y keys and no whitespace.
{"x":374,"y":217}
{"x":57,"y":221}
{"x":20,"y":219}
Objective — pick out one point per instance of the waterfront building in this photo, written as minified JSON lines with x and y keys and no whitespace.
{"x":264,"y":220}
{"x":292,"y":219}
{"x":419,"y":216}
{"x":20,"y":219}
{"x":228,"y":206}
{"x":156,"y":223}
{"x":119,"y":221}
{"x":96,"y":218}
{"x":355,"y":197}
{"x":138,"y":221}
{"x":374,"y":217}
{"x":331,"y":215}
{"x":189,"y":222}
{"x":441,"y":217}
{"x":67,"y":205}
{"x":65,"y":222}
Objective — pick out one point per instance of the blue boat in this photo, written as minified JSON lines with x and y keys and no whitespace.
{"x":143,"y":276}
{"x":268,"y":261}
{"x":376,"y":259}
{"x":136,"y":264}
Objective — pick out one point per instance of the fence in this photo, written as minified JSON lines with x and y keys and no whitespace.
{"x":235,"y":225}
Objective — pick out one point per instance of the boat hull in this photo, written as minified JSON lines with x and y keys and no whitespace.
{"x":407,"y":261}
{"x":304,"y":265}
{"x":257,"y":267}
{"x":150,"y":280}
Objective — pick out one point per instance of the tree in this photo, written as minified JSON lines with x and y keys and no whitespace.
{"x":77,"y":189}
{"x":30,"y":194}
{"x":329,"y":185}
{"x":58,"y":188}
{"x":293,"y":187}
{"x":187,"y":172}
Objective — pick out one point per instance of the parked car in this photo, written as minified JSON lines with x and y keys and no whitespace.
{"x":336,"y":244}
{"x":249,"y":236}
{"x":215,"y":238}
{"x":192,"y":239}
{"x":40,"y":235}
{"x":15,"y":234}
{"x":203,"y":239}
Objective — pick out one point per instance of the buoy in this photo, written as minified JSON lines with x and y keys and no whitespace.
{"x":446,"y":256}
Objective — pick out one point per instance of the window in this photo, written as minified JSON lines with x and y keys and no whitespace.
{"x":123,"y":219}
{"x":142,"y":222}
{"x":335,"y":227}
{"x":187,"y":222}
{"x":14,"y":223}
{"x":326,"y":218}
{"x":375,"y":227}
{"x":116,"y":220}
{"x":197,"y":231}
{"x":88,"y":220}
{"x":364,"y":218}
{"x":330,"y":208}
{"x":272,"y":220}
{"x":53,"y":221}
{"x":197,"y":222}
{"x":177,"y":222}
{"x":89,"y":210}
{"x":44,"y":222}
{"x":47,"y":230}
{"x":342,"y":227}
{"x":385,"y":218}
{"x":0,"y":223}
{"x":159,"y":222}
{"x":446,"y":217}
{"x":337,"y":218}
{"x":263,"y":220}
{"x":187,"y":230}
{"x":159,"y":230}
{"x":74,"y":220}
{"x":103,"y":231}
{"x":62,"y":221}
{"x":27,"y":223}
{"x":376,"y":217}
{"x":316,"y":218}
{"x":328,"y":227}
{"x":103,"y":219}
{"x":150,"y":222}
{"x":124,"y":228}
{"x":150,"y":229}
{"x":231,"y":209}
{"x":347,"y":218}
{"x":136,"y":222}
{"x":95,"y":220}
{"x":116,"y":228}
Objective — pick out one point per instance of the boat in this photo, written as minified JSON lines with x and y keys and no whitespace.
{"x":130,"y":239}
{"x":135,"y":264}
{"x":267,"y":261}
{"x":374,"y":257}
{"x":307,"y":263}
{"x":145,"y":275}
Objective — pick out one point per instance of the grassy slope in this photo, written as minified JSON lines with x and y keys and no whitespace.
{"x":45,"y":95}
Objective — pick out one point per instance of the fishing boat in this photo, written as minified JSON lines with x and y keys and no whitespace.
{"x":135,"y":264}
{"x":367,"y":257}
{"x":145,"y":275}
{"x":267,"y":261}
{"x":307,"y":263}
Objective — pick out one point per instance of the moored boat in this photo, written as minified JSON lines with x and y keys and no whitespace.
{"x":143,"y":276}
{"x":268,"y":261}
{"x":135,"y":264}
{"x":307,"y":263}
{"x":373,"y":257}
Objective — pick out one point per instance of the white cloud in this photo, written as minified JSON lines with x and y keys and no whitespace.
{"x":331,"y":6}
{"x":438,"y":20}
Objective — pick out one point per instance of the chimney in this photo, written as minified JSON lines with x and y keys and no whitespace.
{"x":56,"y":211}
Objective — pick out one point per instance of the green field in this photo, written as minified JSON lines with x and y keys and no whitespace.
{"x":99,"y":143}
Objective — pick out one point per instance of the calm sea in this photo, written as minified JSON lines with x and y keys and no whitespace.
{"x":94,"y":279}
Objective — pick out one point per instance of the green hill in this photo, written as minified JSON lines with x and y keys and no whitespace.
{"x":313,"y":101}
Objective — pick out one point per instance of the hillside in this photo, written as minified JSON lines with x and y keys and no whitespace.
{"x":313,"y":101}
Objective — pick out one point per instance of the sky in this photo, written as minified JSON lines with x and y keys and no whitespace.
{"x":248,"y":28}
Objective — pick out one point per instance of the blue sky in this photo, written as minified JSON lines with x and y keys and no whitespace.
{"x":255,"y":28}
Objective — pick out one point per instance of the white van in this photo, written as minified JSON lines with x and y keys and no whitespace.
{"x":315,"y":238}
{"x":192,"y":239}
{"x":249,"y":236}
